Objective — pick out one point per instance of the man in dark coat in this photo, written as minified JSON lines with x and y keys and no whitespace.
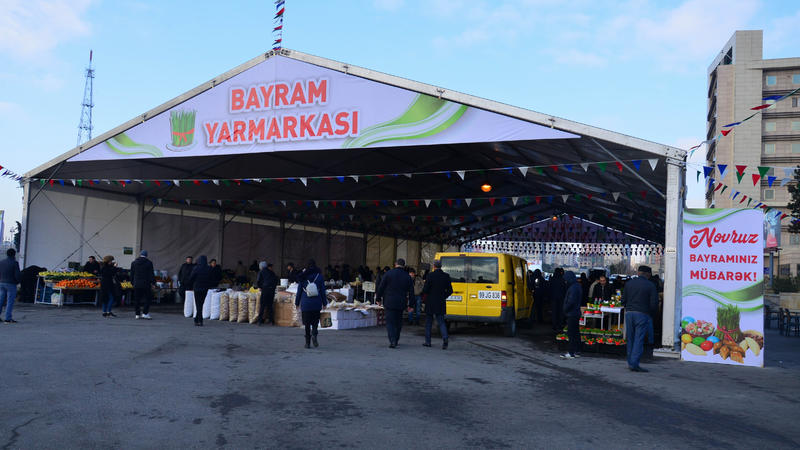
{"x":436,"y":290}
{"x":602,"y":290}
{"x":201,"y":280}
{"x":558,"y":289}
{"x":396,"y":291}
{"x":92,"y":266}
{"x":143,"y":279}
{"x":639,"y":297}
{"x":183,"y":277}
{"x":267,"y":281}
{"x":216,"y":272}
{"x":292,"y":273}
{"x":10,"y":276}
{"x":572,"y":312}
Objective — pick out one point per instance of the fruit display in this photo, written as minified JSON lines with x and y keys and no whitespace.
{"x":58,"y":276}
{"x":80,"y":283}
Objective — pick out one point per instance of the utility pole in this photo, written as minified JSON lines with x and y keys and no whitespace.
{"x":85,"y":126}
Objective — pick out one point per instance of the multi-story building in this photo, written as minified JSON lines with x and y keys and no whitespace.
{"x":739,"y":79}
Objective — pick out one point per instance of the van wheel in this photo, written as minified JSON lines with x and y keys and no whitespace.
{"x":510,"y":327}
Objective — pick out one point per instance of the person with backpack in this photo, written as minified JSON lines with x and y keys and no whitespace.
{"x":311,"y":299}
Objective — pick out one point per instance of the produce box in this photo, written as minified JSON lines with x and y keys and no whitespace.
{"x":286,"y":315}
{"x":325,"y":320}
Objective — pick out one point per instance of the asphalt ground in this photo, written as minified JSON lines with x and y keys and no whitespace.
{"x":72,"y":379}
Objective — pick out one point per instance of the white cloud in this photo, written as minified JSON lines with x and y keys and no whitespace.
{"x":31,"y":29}
{"x":388,"y":5}
{"x":579,"y":58}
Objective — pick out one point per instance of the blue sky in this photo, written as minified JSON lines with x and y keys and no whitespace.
{"x":636,"y":67}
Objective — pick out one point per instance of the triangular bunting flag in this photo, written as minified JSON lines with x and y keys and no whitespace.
{"x":615,"y":195}
{"x":722,"y":168}
{"x":564,"y":198}
{"x":524,"y":171}
{"x":316,"y":203}
{"x":602,"y":166}
{"x":784,"y":181}
{"x":353,"y":203}
{"x":653,"y":162}
{"x":619,"y":165}
{"x":763,"y":170}
{"x":468,"y":201}
{"x":304,"y":181}
{"x":707,"y":171}
{"x":355,"y":177}
{"x":427,"y":203}
{"x":739,"y":177}
{"x":177,"y":183}
{"x":514,"y":200}
{"x":788,"y":171}
{"x":585,"y":167}
{"x":637,"y":163}
{"x":460,"y":173}
{"x":756,"y":177}
{"x":771,"y":180}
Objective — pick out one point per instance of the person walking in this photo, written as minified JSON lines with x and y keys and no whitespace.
{"x":558,"y":289}
{"x":143,"y":279}
{"x":436,"y":289}
{"x":201,"y":280}
{"x":396,"y":291}
{"x":572,"y":312}
{"x":538,"y":286}
{"x":267,"y":281}
{"x":639,"y":298}
{"x":183,"y":277}
{"x":10,"y":276}
{"x":419,"y":283}
{"x":108,"y":291}
{"x":311,"y":299}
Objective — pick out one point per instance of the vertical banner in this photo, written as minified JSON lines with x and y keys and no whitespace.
{"x":723,"y":275}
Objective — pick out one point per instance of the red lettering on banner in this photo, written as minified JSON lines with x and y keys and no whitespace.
{"x":325,"y":125}
{"x":252,"y":100}
{"x":237,"y":99}
{"x":298,"y":96}
{"x":281,"y":90}
{"x":211,"y":129}
{"x":274,"y":132}
{"x":255,"y":128}
{"x":711,"y":237}
{"x":238,"y":130}
{"x":224,"y":133}
{"x":318,"y":92}
{"x":289,"y":127}
{"x":341,"y":122}
{"x":305,"y":125}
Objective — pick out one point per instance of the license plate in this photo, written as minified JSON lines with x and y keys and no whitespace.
{"x":489,"y":295}
{"x":454,"y":298}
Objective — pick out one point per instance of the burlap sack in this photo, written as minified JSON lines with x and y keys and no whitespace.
{"x":254,"y":305}
{"x":243,"y":300}
{"x":233,"y":307}
{"x":223,"y":306}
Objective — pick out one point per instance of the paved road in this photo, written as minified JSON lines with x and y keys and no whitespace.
{"x":72,"y":379}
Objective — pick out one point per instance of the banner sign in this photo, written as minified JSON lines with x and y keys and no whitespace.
{"x":288,"y":105}
{"x":723,"y":275}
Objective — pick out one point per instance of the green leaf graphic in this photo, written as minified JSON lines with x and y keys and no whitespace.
{"x":425,"y":117}
{"x":696,"y":220}
{"x":124,"y":145}
{"x":741,"y":297}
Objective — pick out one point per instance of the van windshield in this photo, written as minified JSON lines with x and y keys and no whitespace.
{"x":456,"y":267}
{"x":483,"y":270}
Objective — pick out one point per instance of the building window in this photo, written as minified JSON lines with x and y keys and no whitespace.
{"x":769,"y":149}
{"x":794,"y":239}
{"x":795,"y":148}
{"x":796,"y":78}
{"x":784,"y":268}
{"x":772,"y":80}
{"x":795,"y":101}
{"x":769,"y":126}
{"x":795,"y":126}
{"x":769,"y":194}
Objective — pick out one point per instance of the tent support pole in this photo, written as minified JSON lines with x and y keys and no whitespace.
{"x":221,"y":235}
{"x":140,"y":222}
{"x":328,"y":244}
{"x":672,"y":252}
{"x":283,"y":244}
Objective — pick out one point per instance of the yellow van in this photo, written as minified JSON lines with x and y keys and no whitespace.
{"x":487,"y":288}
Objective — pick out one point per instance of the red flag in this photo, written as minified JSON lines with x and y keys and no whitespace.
{"x":719,"y":185}
{"x":491,"y":201}
{"x":740,"y":169}
{"x":756,"y":177}
{"x":197,"y":182}
{"x":589,"y":196}
{"x":449,"y":202}
{"x":783,"y":216}
{"x":51,"y":181}
{"x":333,"y":202}
{"x":158,"y":183}
{"x":555,"y":168}
{"x":725,"y":132}
{"x":756,"y":108}
{"x":619,"y":165}
{"x":743,"y":198}
{"x":416,"y":202}
{"x":377,"y":203}
{"x":644,"y":194}
{"x":538,"y":199}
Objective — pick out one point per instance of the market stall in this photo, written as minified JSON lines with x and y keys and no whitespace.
{"x":67,"y":288}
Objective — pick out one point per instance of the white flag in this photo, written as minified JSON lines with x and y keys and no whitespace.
{"x":460,"y":173}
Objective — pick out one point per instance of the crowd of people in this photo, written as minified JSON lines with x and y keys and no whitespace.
{"x":566,"y":293}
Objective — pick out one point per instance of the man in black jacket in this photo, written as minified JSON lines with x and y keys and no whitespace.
{"x":396,"y":291}
{"x":10,"y":276}
{"x":572,"y":312}
{"x":143,"y":279}
{"x":201,"y":280}
{"x":92,"y":266}
{"x":267,"y":281}
{"x":216,"y":272}
{"x":602,"y":290}
{"x":558,"y":289}
{"x":183,"y":277}
{"x":436,"y":290}
{"x":639,"y":297}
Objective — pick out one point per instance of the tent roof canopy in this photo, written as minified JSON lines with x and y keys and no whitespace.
{"x":411,"y":191}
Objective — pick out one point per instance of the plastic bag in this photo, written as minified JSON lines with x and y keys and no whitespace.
{"x":215,"y":306}
{"x":188,"y":304}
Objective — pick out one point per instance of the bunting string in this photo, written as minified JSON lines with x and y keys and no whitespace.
{"x":280,"y":8}
{"x":728,"y":128}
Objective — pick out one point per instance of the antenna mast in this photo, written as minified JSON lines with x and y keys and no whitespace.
{"x":85,"y":126}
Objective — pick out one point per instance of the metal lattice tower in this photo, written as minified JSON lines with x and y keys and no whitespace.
{"x":85,"y":127}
